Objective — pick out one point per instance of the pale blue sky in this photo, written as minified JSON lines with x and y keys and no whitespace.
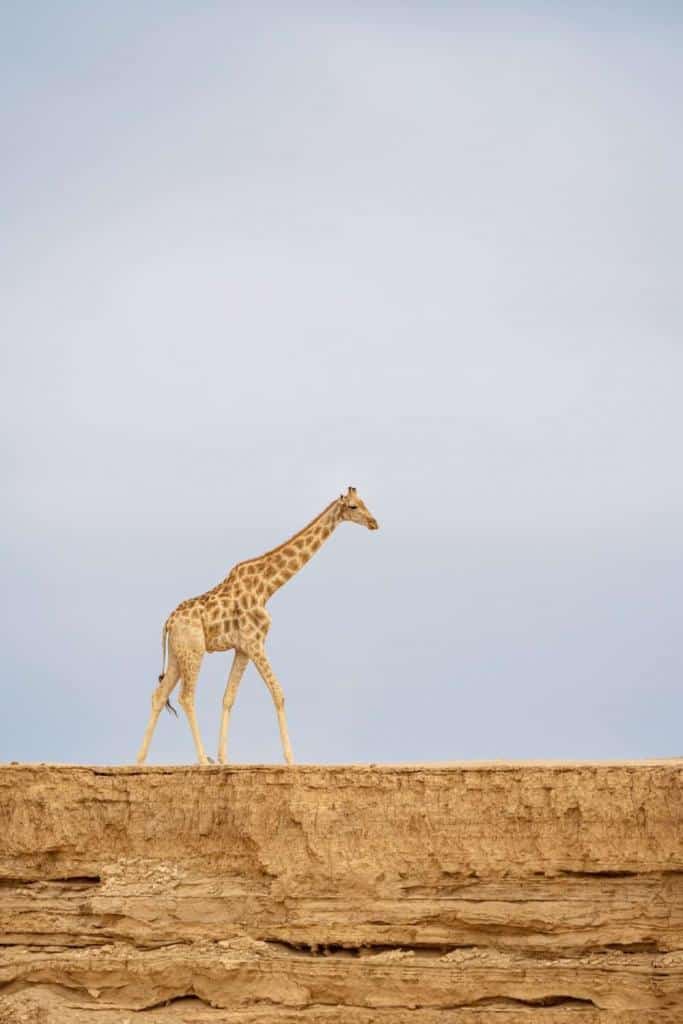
{"x":431,"y":250}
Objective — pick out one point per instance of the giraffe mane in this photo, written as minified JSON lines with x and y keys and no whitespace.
{"x":273,"y":551}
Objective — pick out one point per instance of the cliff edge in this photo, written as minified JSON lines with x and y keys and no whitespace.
{"x":464,"y":893}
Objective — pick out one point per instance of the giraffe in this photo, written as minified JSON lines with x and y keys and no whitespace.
{"x":232,"y":616}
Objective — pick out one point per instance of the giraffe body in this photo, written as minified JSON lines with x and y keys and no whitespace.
{"x":232,"y":616}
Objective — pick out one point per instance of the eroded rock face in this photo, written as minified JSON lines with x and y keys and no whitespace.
{"x":422,"y":894}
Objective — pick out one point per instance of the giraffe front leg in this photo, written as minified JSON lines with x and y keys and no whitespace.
{"x":240,"y":662}
{"x":263,"y":665}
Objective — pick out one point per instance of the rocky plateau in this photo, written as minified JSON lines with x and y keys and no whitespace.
{"x":507,"y":893}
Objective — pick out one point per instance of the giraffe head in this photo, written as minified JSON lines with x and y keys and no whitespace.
{"x":354,"y":510}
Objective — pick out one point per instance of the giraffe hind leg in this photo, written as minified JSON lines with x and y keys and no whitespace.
{"x":160,"y":697}
{"x":190,"y":660}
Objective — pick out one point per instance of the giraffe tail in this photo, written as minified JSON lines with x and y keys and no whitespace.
{"x":169,"y":707}
{"x":164,"y":647}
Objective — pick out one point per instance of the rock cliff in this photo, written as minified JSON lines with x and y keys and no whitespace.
{"x":509,"y":893}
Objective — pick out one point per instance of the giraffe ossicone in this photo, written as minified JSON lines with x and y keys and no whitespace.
{"x":232,"y":616}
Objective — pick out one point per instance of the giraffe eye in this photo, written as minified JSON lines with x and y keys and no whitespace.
{"x":353,"y":506}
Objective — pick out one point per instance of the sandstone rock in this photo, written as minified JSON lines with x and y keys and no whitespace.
{"x":371,"y":895}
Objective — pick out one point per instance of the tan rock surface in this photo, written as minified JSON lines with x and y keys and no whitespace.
{"x":364,"y":894}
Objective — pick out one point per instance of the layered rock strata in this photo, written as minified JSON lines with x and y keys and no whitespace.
{"x":462,"y":893}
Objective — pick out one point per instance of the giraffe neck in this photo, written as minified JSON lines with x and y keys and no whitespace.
{"x":277,"y":567}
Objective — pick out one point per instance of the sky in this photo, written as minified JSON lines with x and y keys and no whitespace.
{"x":250,"y":257}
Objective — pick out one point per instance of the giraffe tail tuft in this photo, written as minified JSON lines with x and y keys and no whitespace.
{"x":169,"y":707}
